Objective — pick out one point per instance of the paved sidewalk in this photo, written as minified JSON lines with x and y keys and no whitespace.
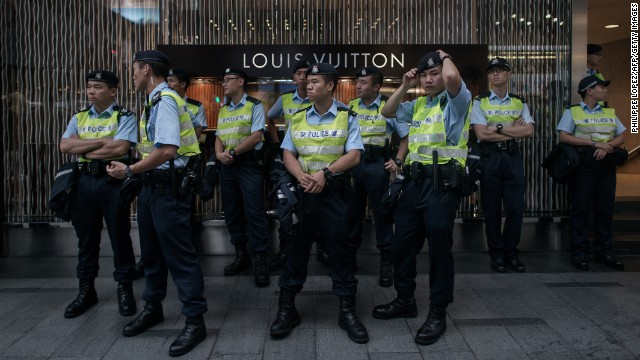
{"x":551,"y":312}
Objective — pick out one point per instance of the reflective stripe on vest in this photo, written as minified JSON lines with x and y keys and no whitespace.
{"x":97,"y":128}
{"x":599,"y":127}
{"x":188,"y":141}
{"x":319,"y":145}
{"x":290,"y":107}
{"x":234,"y":126}
{"x":427,"y":133}
{"x":506,"y":115}
{"x":373,"y":126}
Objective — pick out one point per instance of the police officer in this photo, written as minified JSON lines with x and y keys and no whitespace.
{"x":167,"y":139}
{"x":97,"y":134}
{"x":594,"y":59}
{"x":438,"y":128}
{"x":372,"y":173}
{"x":286,"y":105}
{"x":321,"y":144}
{"x":499,"y":118}
{"x":595,"y":131}
{"x":238,"y":145}
{"x":179,"y":80}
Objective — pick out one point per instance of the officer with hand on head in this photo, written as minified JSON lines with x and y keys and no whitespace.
{"x":167,"y":140}
{"x":438,"y":136}
{"x":238,"y":147}
{"x":376,"y":163}
{"x":102,"y":132}
{"x":322,"y":143}
{"x":498,"y":119}
{"x":594,"y":130}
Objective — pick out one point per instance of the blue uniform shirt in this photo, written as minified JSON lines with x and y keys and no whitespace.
{"x":477,"y":116}
{"x":277,"y":111}
{"x":126,"y":128}
{"x":454,"y":113}
{"x":257,"y":116}
{"x":354,"y":140}
{"x":198,"y":119}
{"x":568,"y":125}
{"x":402,"y":129}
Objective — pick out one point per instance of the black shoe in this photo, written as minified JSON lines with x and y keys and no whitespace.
{"x":193,"y":333}
{"x":287,"y":317}
{"x":348,"y":320}
{"x":398,"y":308}
{"x":126,"y":300}
{"x":580,"y":262}
{"x":261,"y":271}
{"x":149,"y":316}
{"x":610,"y":261}
{"x":515,"y":264}
{"x":87,"y":297}
{"x":241,"y":263}
{"x":139,"y":270}
{"x":322,"y":256}
{"x":497,"y":264}
{"x":277,"y":262}
{"x":433,"y":327}
{"x":386,"y":270}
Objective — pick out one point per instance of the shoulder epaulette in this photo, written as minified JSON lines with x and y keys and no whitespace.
{"x":443,"y":102}
{"x":124,"y":111}
{"x":384,"y":98}
{"x":483,"y":95}
{"x":521,"y":98}
{"x":572,"y":105}
{"x":83,"y":110}
{"x":351,"y":112}
{"x":253,"y":100}
{"x":300,"y":110}
{"x":193,"y":102}
{"x":156,"y":98}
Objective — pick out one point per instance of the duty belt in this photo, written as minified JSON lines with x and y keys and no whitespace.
{"x":418,"y":171}
{"x":94,"y":167}
{"x":508,"y":146}
{"x":373,"y":152}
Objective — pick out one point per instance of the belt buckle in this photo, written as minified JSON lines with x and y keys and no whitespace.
{"x":501,"y":145}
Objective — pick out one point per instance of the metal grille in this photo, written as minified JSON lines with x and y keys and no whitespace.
{"x":48,"y":46}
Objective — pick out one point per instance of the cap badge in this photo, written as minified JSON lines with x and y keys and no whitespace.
{"x":171,"y":72}
{"x":98,"y":75}
{"x":364,"y":72}
{"x":430,"y":62}
{"x":314,"y":69}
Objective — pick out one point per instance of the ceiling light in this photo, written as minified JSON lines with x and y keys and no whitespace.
{"x":548,"y":16}
{"x":497,"y":22}
{"x":513,"y":16}
{"x":528,"y":22}
{"x":561,"y":23}
{"x":612,"y":26}
{"x":555,"y":19}
{"x":521,"y":19}
{"x":210,"y":21}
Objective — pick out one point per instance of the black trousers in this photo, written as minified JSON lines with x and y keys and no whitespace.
{"x":95,"y":198}
{"x":166,"y":246}
{"x":503,"y":184}
{"x":593,"y":185}
{"x":326,"y":213}
{"x":422,"y":212}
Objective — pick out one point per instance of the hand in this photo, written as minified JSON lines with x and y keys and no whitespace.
{"x":520,"y":122}
{"x":599,"y":154}
{"x":318,"y":183}
{"x":411,"y":77}
{"x":306,"y":181}
{"x":604,"y":146}
{"x":225,"y":157}
{"x":116,"y":169}
{"x":442,"y":54}
{"x":391,"y":166}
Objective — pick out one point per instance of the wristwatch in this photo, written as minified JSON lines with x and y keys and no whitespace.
{"x":499,"y":128}
{"x":398,"y":162}
{"x":593,"y":143}
{"x":327,"y":173}
{"x":446,"y":57}
{"x":232,"y":152}
{"x":127,"y":172}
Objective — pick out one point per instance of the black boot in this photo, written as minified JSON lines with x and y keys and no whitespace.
{"x":126,"y":300}
{"x":193,"y":333}
{"x":241,"y":263}
{"x":348,"y":320}
{"x":261,"y":272}
{"x":149,"y":316}
{"x":434,"y":327}
{"x":398,"y":308}
{"x":87,"y":297}
{"x":386,"y":270}
{"x":287,"y":317}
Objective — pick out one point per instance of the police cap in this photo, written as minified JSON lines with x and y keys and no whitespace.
{"x":322,"y":69}
{"x":232,"y":71}
{"x":591,"y":81}
{"x":368,"y":71}
{"x":499,"y":62}
{"x":151,"y":55}
{"x":300,"y":64}
{"x":593,"y":49}
{"x":429,"y":61}
{"x":104,"y":76}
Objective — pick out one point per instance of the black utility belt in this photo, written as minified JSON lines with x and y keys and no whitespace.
{"x":374,"y":152}
{"x":158,"y":177}
{"x":95,"y":167}
{"x":443,"y":177}
{"x":508,"y":145}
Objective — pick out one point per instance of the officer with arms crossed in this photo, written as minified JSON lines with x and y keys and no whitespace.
{"x":438,"y":128}
{"x":498,"y":118}
{"x":167,"y":139}
{"x":595,"y":131}
{"x":97,"y":134}
{"x":239,"y":136}
{"x":179,"y":80}
{"x":322,"y":143}
{"x":372,"y":173}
